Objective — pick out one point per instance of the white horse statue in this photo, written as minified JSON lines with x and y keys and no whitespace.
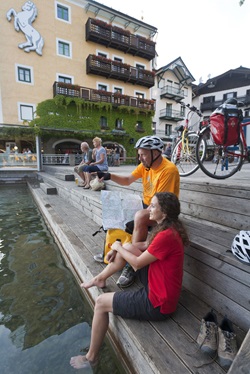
{"x":23,"y":21}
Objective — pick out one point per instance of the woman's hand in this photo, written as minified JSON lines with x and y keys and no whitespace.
{"x":111,"y":256}
{"x":115,"y":246}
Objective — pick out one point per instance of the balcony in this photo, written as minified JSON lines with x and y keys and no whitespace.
{"x":112,"y":36}
{"x":170,"y":92}
{"x":93,"y":95}
{"x":170,"y":114}
{"x":118,"y":70}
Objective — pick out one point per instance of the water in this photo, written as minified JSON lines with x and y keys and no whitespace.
{"x":44,"y":319}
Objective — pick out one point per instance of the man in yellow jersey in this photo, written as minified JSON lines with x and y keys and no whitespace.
{"x":158,"y":175}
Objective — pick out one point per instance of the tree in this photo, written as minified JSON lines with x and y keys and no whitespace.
{"x":241,"y":2}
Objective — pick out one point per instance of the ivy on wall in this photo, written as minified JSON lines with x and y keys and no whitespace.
{"x":83,"y":118}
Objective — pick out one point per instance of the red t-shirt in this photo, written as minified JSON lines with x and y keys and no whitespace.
{"x":165,"y":274}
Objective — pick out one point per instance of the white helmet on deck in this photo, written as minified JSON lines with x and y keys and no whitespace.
{"x":241,"y":246}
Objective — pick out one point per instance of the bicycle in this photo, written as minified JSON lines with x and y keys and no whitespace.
{"x":227,"y":159}
{"x":184,"y":151}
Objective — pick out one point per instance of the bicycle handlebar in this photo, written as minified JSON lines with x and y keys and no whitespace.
{"x":193,"y":109}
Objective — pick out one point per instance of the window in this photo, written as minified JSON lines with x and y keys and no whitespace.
{"x":168,"y":130}
{"x":229,"y":95}
{"x":102,"y":54}
{"x":208,"y":99}
{"x":118,"y":90}
{"x":63,"y":79}
{"x":26,"y":111}
{"x":169,"y":110}
{"x":139,"y":127}
{"x":64,"y":48}
{"x":119,"y":124}
{"x":24,"y":74}
{"x":103,"y":122}
{"x":102,"y":87}
{"x":62,"y":12}
{"x":140,"y":95}
{"x":140,"y":67}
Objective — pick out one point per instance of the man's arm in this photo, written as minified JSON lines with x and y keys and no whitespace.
{"x":119,"y":179}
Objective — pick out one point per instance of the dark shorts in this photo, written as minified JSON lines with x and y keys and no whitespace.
{"x":91,"y":168}
{"x":136,"y":304}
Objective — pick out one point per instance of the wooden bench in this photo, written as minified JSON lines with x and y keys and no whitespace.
{"x":213,"y":277}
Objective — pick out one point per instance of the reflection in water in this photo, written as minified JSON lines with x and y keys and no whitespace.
{"x":43,"y":317}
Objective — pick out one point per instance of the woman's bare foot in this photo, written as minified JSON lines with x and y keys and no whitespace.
{"x":81,"y":362}
{"x":94,"y":282}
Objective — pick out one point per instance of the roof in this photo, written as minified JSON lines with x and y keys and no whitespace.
{"x":122,"y":18}
{"x":180,"y":70}
{"x":232,"y":78}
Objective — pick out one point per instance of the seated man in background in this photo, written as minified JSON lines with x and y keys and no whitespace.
{"x":86,"y":159}
{"x":158,"y":175}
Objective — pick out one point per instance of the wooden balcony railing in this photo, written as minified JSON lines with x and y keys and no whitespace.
{"x":114,"y":69}
{"x":93,"y":95}
{"x":119,"y":38}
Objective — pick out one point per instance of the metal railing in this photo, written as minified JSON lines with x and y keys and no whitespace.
{"x":9,"y":160}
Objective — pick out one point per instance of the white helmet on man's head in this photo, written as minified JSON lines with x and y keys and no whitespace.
{"x":241,"y":246}
{"x":150,"y":142}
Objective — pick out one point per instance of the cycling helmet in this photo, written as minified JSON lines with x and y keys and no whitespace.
{"x":241,"y":246}
{"x":150,"y":142}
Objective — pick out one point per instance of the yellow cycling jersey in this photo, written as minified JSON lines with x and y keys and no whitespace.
{"x":165,"y":178}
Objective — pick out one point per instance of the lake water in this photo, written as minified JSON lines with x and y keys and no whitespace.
{"x":44,"y":318}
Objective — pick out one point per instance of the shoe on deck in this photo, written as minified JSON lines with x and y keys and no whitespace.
{"x":207,"y":338}
{"x":99,"y":258}
{"x":227,"y":347}
{"x":127,"y":277}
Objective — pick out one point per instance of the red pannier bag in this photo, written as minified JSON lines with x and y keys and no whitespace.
{"x":225,"y":125}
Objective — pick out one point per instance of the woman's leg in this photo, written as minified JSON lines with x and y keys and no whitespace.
{"x":110,"y":269}
{"x":114,"y":266}
{"x":104,"y":305}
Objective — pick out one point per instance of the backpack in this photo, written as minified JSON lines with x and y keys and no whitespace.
{"x":111,"y":236}
{"x":225,"y":125}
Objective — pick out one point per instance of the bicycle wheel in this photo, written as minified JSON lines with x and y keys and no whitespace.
{"x":184,"y":155}
{"x":223,"y":161}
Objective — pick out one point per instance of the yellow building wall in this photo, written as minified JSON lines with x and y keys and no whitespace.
{"x":47,"y":66}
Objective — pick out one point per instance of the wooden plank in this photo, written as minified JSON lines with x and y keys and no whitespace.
{"x":239,"y":272}
{"x":241,"y":362}
{"x":236,"y":220}
{"x":186,"y":347}
{"x":221,"y":282}
{"x":239,"y":315}
{"x":218,"y":202}
{"x":199,"y":309}
{"x":223,"y":190}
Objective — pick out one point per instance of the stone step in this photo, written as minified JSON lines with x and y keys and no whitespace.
{"x":48,"y":189}
{"x":65,"y":177}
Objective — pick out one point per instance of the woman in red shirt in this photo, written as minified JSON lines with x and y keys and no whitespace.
{"x":159,"y":266}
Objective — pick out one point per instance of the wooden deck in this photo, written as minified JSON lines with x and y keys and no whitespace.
{"x":212,"y":278}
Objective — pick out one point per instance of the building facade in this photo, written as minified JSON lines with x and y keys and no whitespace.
{"x":172,"y":91}
{"x":80,"y":55}
{"x":234,"y":83}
